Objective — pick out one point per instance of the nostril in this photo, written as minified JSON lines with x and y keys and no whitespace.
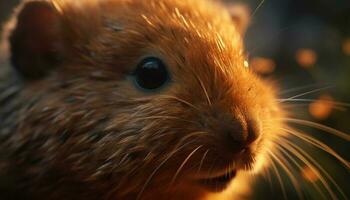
{"x":236,"y":136}
{"x":243,"y":133}
{"x":236,"y":131}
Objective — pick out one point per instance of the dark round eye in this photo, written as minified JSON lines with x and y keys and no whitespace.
{"x":151,"y":74}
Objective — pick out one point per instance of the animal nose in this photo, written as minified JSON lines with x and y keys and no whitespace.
{"x":241,"y":133}
{"x":234,"y":131}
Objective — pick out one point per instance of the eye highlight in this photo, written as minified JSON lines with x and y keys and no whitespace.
{"x":151,"y":74}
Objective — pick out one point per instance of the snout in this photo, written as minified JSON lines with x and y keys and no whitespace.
{"x":233,"y":136}
{"x":240,"y":133}
{"x":235,"y":132}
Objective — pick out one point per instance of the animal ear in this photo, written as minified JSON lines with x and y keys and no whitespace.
{"x":37,"y":42}
{"x":240,"y":14}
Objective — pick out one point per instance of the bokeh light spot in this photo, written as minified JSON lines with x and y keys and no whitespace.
{"x":310,"y":174}
{"x":322,"y":108}
{"x":263,"y":65}
{"x":346,"y":47}
{"x":306,"y":58}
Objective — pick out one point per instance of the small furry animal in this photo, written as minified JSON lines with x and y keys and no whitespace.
{"x":131,"y":99}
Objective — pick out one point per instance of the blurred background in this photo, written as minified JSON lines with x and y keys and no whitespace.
{"x":304,"y":45}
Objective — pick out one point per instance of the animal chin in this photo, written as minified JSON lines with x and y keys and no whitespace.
{"x":219,"y":182}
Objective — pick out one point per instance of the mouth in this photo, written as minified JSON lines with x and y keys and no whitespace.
{"x":218,"y":182}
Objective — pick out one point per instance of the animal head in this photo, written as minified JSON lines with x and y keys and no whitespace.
{"x":154,"y":90}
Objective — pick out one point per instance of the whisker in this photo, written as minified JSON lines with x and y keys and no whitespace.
{"x":203,"y":88}
{"x":286,"y":167}
{"x":301,"y":158}
{"x":257,"y":8}
{"x":196,"y":133}
{"x":340,"y":108}
{"x":295,"y":105}
{"x":158,"y":167}
{"x":305,"y":158}
{"x":202,"y":160}
{"x":322,"y":127}
{"x":268,"y":177}
{"x":298,"y":88}
{"x":183,"y":164}
{"x":319,"y":144}
{"x":305,"y":93}
{"x":279,"y":178}
{"x":337,"y":103}
{"x":181,"y":100}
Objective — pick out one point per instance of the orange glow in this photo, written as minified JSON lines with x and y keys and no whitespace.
{"x":263,"y":65}
{"x":322,"y":108}
{"x":306,"y":57}
{"x":246,"y":64}
{"x":241,"y":14}
{"x":310,"y":174}
{"x":346,"y":47}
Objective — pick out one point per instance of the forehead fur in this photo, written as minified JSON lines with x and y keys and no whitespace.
{"x":189,"y":14}
{"x":196,"y":17}
{"x":199,"y":30}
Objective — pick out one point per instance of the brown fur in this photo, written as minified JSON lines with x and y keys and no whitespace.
{"x":85,"y":131}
